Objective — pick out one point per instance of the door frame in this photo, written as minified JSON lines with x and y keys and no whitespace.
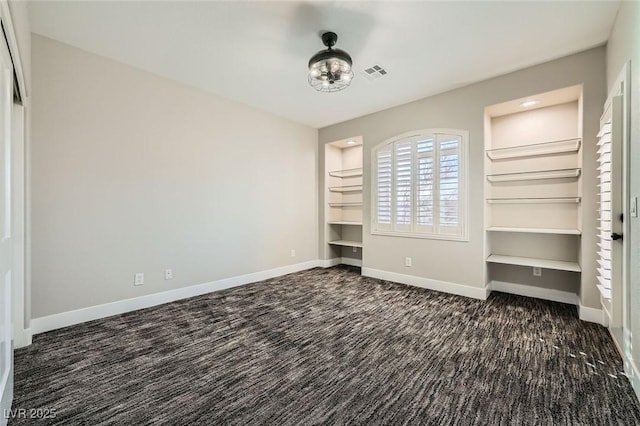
{"x":19,"y":175}
{"x":21,"y":335}
{"x":18,"y":302}
{"x":7,"y":243}
{"x":621,"y":87}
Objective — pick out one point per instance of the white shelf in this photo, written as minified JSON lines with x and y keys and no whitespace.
{"x":346,"y":188}
{"x":537,"y":175}
{"x":346,"y":173}
{"x":356,"y":204}
{"x":534,"y":262}
{"x":345,"y":223}
{"x":535,"y":230}
{"x":346,"y":243}
{"x":562,"y":200}
{"x":545,"y":148}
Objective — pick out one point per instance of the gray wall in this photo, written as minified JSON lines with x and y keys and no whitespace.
{"x":463,"y":262}
{"x":136,"y":173}
{"x":624,"y":45}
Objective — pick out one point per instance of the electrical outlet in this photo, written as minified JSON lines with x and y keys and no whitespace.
{"x":138,"y":278}
{"x":168,"y":274}
{"x":537,"y":272}
{"x":407,"y":261}
{"x":293,"y":253}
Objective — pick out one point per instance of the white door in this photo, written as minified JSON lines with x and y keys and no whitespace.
{"x":611,"y":229}
{"x":6,"y":244}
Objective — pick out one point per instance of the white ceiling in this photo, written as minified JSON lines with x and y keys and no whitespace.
{"x":257,"y":52}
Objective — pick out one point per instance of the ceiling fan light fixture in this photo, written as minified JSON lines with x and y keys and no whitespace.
{"x":330,"y":69}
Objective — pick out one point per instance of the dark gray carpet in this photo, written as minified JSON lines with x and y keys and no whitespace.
{"x":327,"y":346}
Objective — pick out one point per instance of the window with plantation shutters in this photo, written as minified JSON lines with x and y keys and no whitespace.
{"x":419,"y":185}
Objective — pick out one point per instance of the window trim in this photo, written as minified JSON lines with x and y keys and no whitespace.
{"x":413,"y":136}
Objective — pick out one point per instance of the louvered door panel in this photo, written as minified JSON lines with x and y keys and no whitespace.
{"x":609,"y":261}
{"x":604,"y":210}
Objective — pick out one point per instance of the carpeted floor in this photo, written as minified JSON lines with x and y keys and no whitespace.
{"x":327,"y":346}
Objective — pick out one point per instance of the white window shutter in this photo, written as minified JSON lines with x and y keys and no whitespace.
{"x":425,"y":185}
{"x":449,"y":184}
{"x":384,"y":194}
{"x":403,"y":168}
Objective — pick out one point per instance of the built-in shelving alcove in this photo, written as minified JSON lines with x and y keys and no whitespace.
{"x":343,"y":195}
{"x":533,"y":193}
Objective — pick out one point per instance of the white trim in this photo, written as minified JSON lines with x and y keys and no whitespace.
{"x":536,"y":292}
{"x":351,"y":261}
{"x":18,"y":224}
{"x":65,"y":319}
{"x":12,"y":42}
{"x":606,"y":318}
{"x":588,"y":314}
{"x":633,"y":373}
{"x":22,"y":338}
{"x":437,"y":285}
{"x":328,"y":263}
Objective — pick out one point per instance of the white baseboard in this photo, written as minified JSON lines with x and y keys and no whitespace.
{"x":351,"y":261}
{"x":606,"y":317}
{"x":22,"y":339}
{"x":65,"y":319}
{"x":634,"y":377}
{"x":443,"y":286}
{"x":584,"y":313}
{"x":536,"y":292}
{"x":328,"y":263}
{"x":591,"y":315}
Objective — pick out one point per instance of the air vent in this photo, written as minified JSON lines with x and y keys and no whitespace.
{"x":375,"y":71}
